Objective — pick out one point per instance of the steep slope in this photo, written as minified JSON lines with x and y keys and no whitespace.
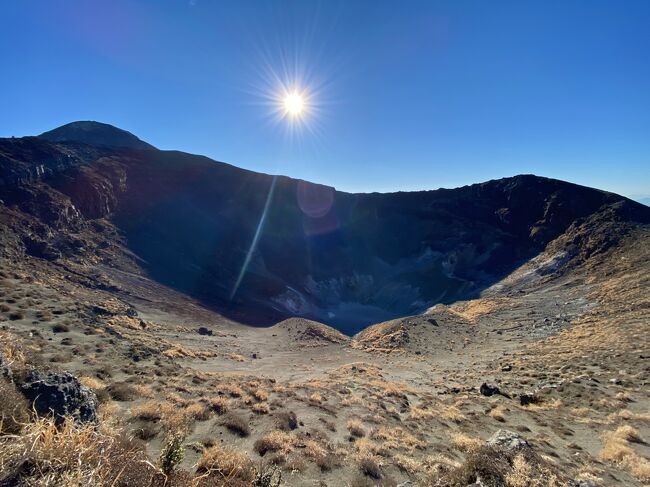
{"x":260,"y":248}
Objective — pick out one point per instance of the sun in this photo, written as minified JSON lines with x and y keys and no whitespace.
{"x":294,"y":104}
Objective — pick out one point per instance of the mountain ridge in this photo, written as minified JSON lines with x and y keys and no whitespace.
{"x":346,"y":259}
{"x":95,"y":133}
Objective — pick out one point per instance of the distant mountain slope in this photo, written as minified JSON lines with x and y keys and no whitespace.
{"x":95,"y":133}
{"x":261,"y":248}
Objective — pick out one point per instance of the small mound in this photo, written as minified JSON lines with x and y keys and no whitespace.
{"x":313,"y":332}
{"x":441,"y":326}
{"x":384,"y":337}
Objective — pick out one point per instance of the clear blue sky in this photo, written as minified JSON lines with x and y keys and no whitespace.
{"x":408,"y":95}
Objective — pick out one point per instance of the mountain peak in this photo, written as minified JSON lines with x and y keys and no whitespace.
{"x":95,"y":133}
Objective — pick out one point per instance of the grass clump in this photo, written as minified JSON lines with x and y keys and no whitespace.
{"x":286,"y":421}
{"x":236,"y":424}
{"x":617,"y":449}
{"x":356,"y":429}
{"x":370,"y":466}
{"x":60,"y":328}
{"x":274,"y":441}
{"x":219,"y":405}
{"x":72,"y":455}
{"x":496,"y":467}
{"x":121,"y":391}
{"x":14,"y":408}
{"x":227,"y":465}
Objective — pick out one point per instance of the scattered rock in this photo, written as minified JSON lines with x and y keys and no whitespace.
{"x":506,"y":368}
{"x":204,"y":331}
{"x":41,"y":249}
{"x":100,"y":311}
{"x":131,"y":312}
{"x":489,"y":390}
{"x":508,"y":440}
{"x":61,"y":395}
{"x":528,"y":398}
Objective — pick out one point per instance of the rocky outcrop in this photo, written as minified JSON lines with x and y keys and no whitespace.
{"x":507,"y":440}
{"x":59,"y":395}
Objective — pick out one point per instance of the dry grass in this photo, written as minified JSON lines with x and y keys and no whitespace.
{"x":498,"y":413}
{"x":232,"y":390}
{"x":370,"y":465}
{"x":92,"y":383}
{"x":503,"y":468}
{"x":69,"y":455}
{"x":219,"y":404}
{"x":355,"y":427}
{"x":261,"y":395}
{"x":236,"y":424}
{"x":520,"y":474}
{"x":12,"y":349}
{"x":316,"y":398}
{"x":407,"y":464}
{"x":121,"y":391}
{"x":617,"y":449}
{"x":286,"y":421}
{"x":227,"y":465}
{"x":465,"y":443}
{"x":417,"y":413}
{"x":274,"y":441}
{"x":261,"y":408}
{"x":395,"y":438}
{"x":180,"y":421}
{"x":544,"y":405}
{"x":628,"y":415}
{"x":152,"y":410}
{"x":14,"y":408}
{"x":176,"y":418}
{"x":451,"y":413}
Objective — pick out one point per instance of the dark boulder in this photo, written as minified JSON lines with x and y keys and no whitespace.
{"x":489,"y":390}
{"x":60,"y":395}
{"x":528,"y":398}
{"x":204,"y":331}
{"x":41,"y":249}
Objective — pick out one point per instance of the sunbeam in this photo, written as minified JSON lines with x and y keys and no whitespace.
{"x":256,"y":237}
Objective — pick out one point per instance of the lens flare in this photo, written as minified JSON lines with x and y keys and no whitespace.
{"x":294,"y":104}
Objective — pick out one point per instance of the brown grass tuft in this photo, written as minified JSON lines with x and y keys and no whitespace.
{"x":14,"y":408}
{"x":219,"y":405}
{"x":227,"y":465}
{"x":355,"y":427}
{"x":71,"y":455}
{"x":274,"y":441}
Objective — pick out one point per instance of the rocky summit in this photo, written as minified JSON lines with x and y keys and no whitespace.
{"x":245,"y":328}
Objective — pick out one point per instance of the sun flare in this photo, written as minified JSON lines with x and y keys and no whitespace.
{"x":294,"y":104}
